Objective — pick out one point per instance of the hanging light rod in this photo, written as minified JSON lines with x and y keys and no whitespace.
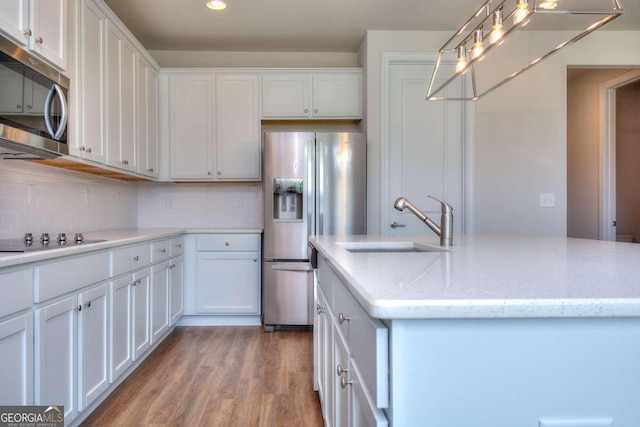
{"x":488,"y":28}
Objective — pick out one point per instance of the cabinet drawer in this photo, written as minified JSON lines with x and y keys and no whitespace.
{"x":130,"y":258}
{"x":326,"y":279}
{"x":71,"y":274}
{"x":177,"y":246}
{"x":368,"y":342}
{"x":228,"y":242}
{"x":16,"y":289}
{"x":160,"y":250}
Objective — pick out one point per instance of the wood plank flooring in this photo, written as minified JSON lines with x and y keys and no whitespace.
{"x":219,"y":376}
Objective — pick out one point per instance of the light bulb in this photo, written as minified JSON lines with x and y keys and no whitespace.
{"x":478,"y":48}
{"x":216,"y":4}
{"x":521,"y":12}
{"x":462,"y":59}
{"x":496,"y":31}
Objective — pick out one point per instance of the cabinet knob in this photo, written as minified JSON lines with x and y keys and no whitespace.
{"x":29,"y":107}
{"x":125,"y":162}
{"x":342,"y":318}
{"x":89,"y":150}
{"x":150,"y":170}
{"x":87,"y":304}
{"x":18,"y":107}
{"x":315,"y":111}
{"x":227,"y":243}
{"x":320,"y":309}
{"x":163,"y":250}
{"x":77,"y":308}
{"x":255,"y":260}
{"x":344,"y":382}
{"x":136,"y":258}
{"x":340,"y":370}
{"x":306,"y":110}
{"x":28,"y":33}
{"x":179,"y":245}
{"x":210,"y":173}
{"x":39,"y":40}
{"x":82,"y":148}
{"x":219,"y":173}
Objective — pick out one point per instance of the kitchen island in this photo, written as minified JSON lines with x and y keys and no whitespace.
{"x":497,"y":331}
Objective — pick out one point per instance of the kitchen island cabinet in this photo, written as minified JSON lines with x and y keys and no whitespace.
{"x":480,"y":333}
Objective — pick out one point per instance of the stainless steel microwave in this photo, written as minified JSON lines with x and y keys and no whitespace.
{"x":33,"y":106}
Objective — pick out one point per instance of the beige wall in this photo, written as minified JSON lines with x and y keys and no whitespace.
{"x":583,"y":151}
{"x":628,"y":159}
{"x":195,"y":59}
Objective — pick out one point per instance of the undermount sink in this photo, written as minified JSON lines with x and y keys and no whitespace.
{"x":388,"y":247}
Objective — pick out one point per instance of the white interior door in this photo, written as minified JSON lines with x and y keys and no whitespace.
{"x":424,"y":150}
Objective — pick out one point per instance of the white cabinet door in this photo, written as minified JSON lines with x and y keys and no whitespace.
{"x":121,"y":326}
{"x":286,"y":95}
{"x":326,"y":374}
{"x":14,"y":20}
{"x":16,"y":354}
{"x":176,"y":281}
{"x":121,"y":58}
{"x":93,"y":331}
{"x":159,"y":300}
{"x":228,"y":282}
{"x":56,"y":347}
{"x":337,"y":95}
{"x":90,"y":114}
{"x":141,"y":331}
{"x":48,"y":24}
{"x":191,"y":126}
{"x":362,"y":412}
{"x":147,"y":118}
{"x":237,"y":127}
{"x":341,"y":375}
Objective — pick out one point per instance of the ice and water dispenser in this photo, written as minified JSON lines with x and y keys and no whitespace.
{"x":287,"y":198}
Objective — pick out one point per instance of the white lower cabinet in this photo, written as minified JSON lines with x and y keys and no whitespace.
{"x":352,"y":353}
{"x":228,"y":274}
{"x":121,"y":326}
{"x":72,"y":348}
{"x":159,"y":300}
{"x":176,"y":288}
{"x":16,"y":353}
{"x":141,"y":310}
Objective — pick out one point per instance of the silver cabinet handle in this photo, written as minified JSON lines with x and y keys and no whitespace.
{"x":87,"y":304}
{"x":28,"y":33}
{"x":227,"y":243}
{"x":342,"y":318}
{"x":136,"y":258}
{"x":77,"y":308}
{"x":255,"y":260}
{"x":39,"y":40}
{"x":219,"y":173}
{"x":396,"y":225}
{"x":340,"y":370}
{"x":89,"y":150}
{"x":163,"y":250}
{"x":344,"y":382}
{"x":125,"y":162}
{"x":150,"y":170}
{"x":320,"y":309}
{"x":210,"y":173}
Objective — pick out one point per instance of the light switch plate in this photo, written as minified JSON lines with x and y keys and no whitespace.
{"x":576,"y":422}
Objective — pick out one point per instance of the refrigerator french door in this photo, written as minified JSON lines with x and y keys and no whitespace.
{"x":314,"y":183}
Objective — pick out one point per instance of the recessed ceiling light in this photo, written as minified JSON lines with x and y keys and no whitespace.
{"x":216,"y":4}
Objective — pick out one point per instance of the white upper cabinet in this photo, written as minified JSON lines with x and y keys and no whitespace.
{"x":147,"y":118}
{"x":38,"y":25}
{"x":237,"y":127}
{"x":315,"y":95}
{"x":121,"y":60}
{"x":214,"y":127}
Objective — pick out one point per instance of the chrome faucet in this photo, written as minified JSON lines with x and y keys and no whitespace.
{"x":444,"y":230}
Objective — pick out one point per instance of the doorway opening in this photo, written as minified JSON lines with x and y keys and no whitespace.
{"x":603,"y":151}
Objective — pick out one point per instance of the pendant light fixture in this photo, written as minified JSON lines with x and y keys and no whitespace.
{"x":486,"y":32}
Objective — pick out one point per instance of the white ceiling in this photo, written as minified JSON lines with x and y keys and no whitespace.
{"x":297,"y":25}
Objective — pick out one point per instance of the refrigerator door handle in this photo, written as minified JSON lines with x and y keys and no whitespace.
{"x":292,"y":266}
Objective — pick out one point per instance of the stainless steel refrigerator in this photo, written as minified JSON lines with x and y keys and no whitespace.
{"x":314,"y":183}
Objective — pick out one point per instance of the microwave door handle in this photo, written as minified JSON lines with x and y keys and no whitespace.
{"x":64,"y":113}
{"x":47,"y":110}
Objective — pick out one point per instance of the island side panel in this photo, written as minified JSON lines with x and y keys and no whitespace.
{"x":514,"y":372}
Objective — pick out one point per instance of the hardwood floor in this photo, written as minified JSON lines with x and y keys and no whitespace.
{"x":219,"y":376}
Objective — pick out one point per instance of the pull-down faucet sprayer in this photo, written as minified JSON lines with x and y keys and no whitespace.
{"x":444,"y":230}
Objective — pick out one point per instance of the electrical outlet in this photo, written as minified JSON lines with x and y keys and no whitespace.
{"x":168,"y":202}
{"x":576,"y":422}
{"x":547,"y":200}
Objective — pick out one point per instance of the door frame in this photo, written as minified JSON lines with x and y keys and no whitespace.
{"x":468,"y":164}
{"x":607,"y":181}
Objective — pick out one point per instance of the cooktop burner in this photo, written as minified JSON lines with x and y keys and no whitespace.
{"x":26,"y":245}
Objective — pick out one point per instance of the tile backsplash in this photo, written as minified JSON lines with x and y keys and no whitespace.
{"x":187,"y":205}
{"x":36,"y":198}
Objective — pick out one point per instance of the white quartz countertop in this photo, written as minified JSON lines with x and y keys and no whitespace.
{"x":112,"y":239}
{"x":490,"y":277}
